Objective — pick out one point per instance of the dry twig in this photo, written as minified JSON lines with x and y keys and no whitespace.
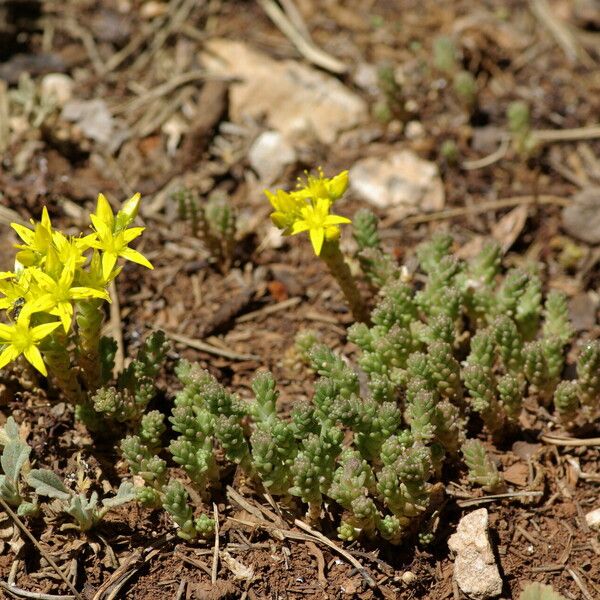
{"x":305,"y":46}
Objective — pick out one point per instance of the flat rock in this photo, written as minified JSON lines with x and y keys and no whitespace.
{"x":269,"y":155}
{"x":293,"y":98}
{"x":475,"y":568}
{"x":92,"y":117}
{"x":582,"y":218}
{"x":402,"y":182}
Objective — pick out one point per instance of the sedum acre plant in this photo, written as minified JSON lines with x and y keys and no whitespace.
{"x":461,"y":346}
{"x":53,"y":300}
{"x":308,"y":210}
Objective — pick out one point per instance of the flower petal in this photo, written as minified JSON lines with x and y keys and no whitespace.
{"x":41,"y":331}
{"x":136,"y":257}
{"x":130,"y":234}
{"x":104,"y":211}
{"x":108,"y":262}
{"x":300,"y":226}
{"x":317,"y":236}
{"x":81,"y":293}
{"x":335,"y":220}
{"x":8,"y":355}
{"x":32,"y":354}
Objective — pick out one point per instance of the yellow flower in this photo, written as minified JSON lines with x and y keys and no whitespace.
{"x":288,"y":209}
{"x":112,"y":237}
{"x":37,"y":240}
{"x":15,"y":289}
{"x":56,"y":297}
{"x":319,"y":223}
{"x":322,"y":187}
{"x":20,"y":338}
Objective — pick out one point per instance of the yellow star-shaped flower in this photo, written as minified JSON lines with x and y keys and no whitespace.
{"x":20,"y":338}
{"x":56,"y":297}
{"x":112,"y":236}
{"x":320,"y":224}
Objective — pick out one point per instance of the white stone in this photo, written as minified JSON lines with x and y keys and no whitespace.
{"x":475,"y":569}
{"x":401,"y":182}
{"x":293,"y":98}
{"x":92,"y":117}
{"x":414,"y":130}
{"x":269,"y":155}
{"x":593,"y":519}
{"x":59,"y":86}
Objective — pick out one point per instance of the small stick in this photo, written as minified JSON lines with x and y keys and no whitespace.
{"x":115,"y":326}
{"x":12,"y":589}
{"x":307,"y":48}
{"x":577,"y":579}
{"x":269,"y":310}
{"x":481,"y":208}
{"x":355,"y":563}
{"x":181,"y":589}
{"x":560,"y":32}
{"x":486,"y":161}
{"x":215,"y":563}
{"x":164,"y":89}
{"x":558,"y":441}
{"x":208,"y":348}
{"x":567,"y":135}
{"x":485,"y":499}
{"x":45,"y":554}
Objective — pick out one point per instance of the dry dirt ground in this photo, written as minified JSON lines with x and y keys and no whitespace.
{"x":179,"y":129}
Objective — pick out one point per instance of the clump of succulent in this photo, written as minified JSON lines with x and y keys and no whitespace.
{"x":469,"y":342}
{"x":392,"y":103}
{"x":464,"y":84}
{"x":519,"y":125}
{"x":135,"y":386}
{"x":213,"y":221}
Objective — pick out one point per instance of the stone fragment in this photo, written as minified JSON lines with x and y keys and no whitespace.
{"x":58,"y":85}
{"x":269,"y":155}
{"x":582,"y":218}
{"x":475,"y":568}
{"x":402,"y":182}
{"x":92,"y":117}
{"x":593,"y":519}
{"x":293,"y":98}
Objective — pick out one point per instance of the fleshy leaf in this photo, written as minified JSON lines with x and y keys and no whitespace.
{"x":47,"y":483}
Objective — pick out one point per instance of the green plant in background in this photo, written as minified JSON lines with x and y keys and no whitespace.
{"x":446,"y":61}
{"x":214,"y":222}
{"x":392,"y":103}
{"x":519,"y":126}
{"x":308,"y":209}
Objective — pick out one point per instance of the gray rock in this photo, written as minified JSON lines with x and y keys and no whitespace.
{"x":475,"y":568}
{"x":92,"y":117}
{"x":402,"y":182}
{"x":294,"y":99}
{"x":269,"y":155}
{"x":582,"y":218}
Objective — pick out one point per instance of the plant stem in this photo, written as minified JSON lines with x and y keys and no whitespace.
{"x":58,"y":360}
{"x":339,"y":268}
{"x":89,"y":322}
